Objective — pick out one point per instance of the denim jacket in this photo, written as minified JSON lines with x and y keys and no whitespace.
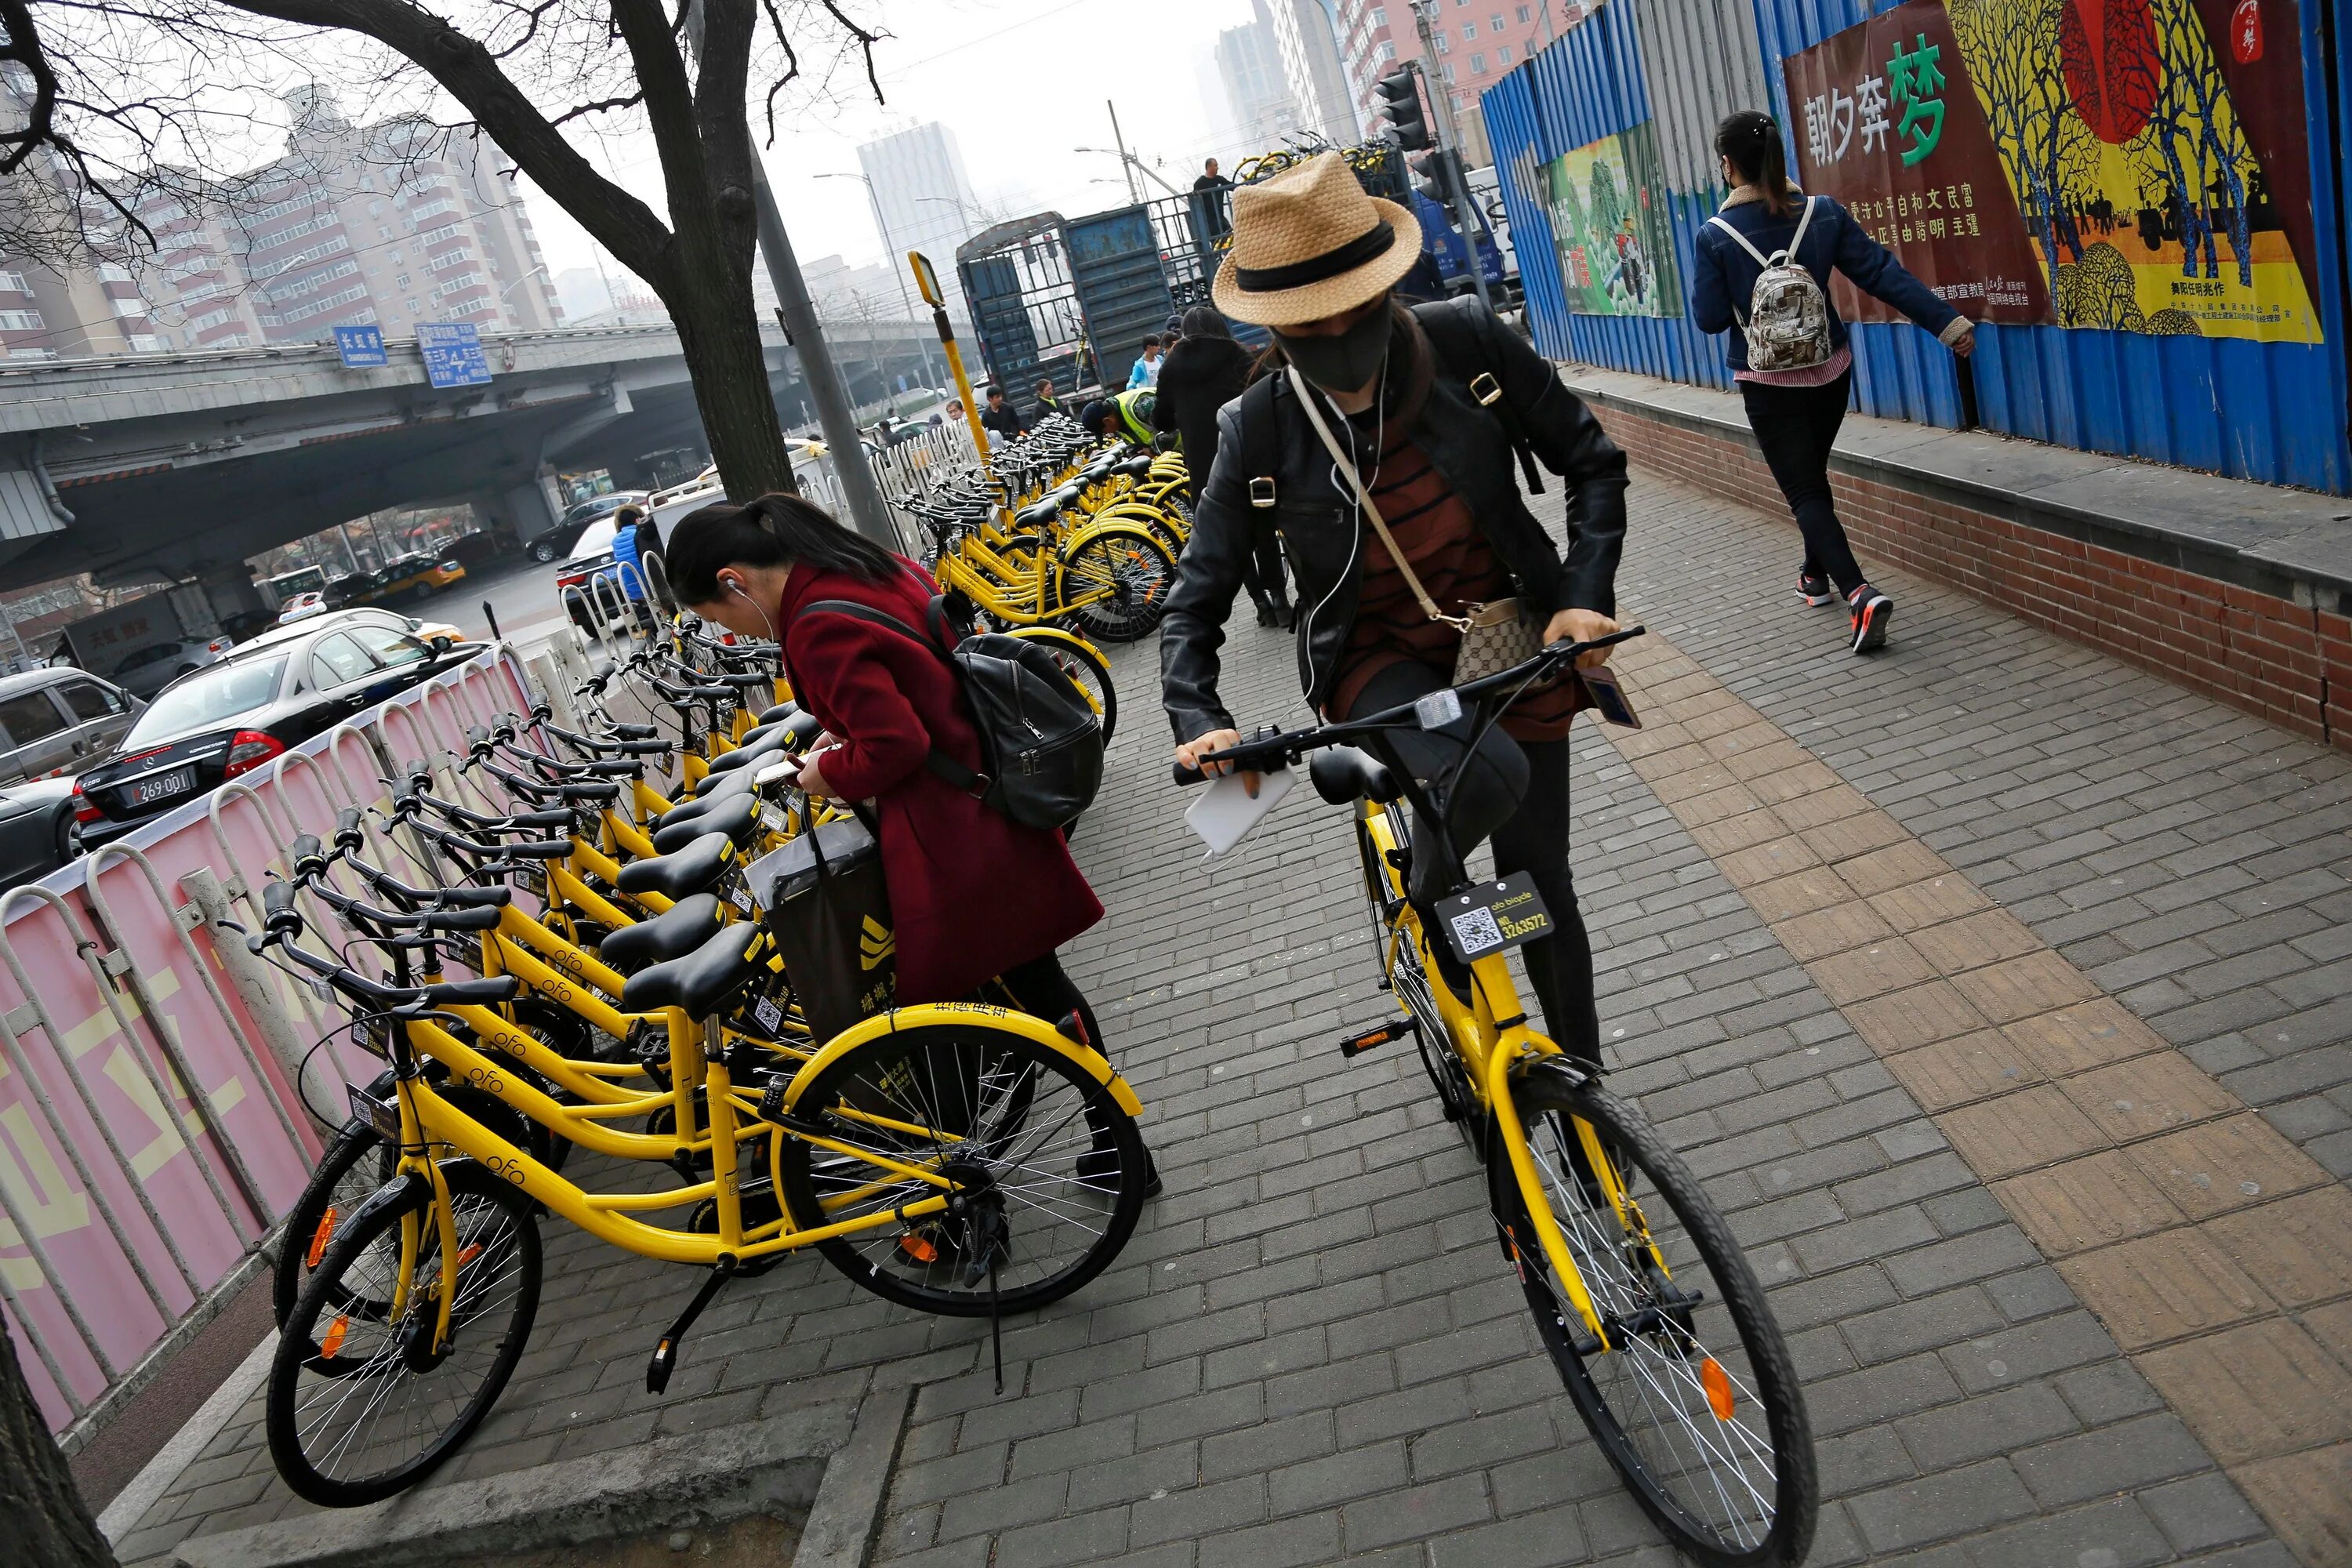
{"x":1726,"y":274}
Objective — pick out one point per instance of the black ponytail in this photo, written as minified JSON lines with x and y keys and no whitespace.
{"x":777,"y":529}
{"x":1751,"y":139}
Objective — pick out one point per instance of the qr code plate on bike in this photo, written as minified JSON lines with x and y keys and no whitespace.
{"x":1493,"y":917}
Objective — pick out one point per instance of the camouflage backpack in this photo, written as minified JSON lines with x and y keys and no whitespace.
{"x":1788,"y":321}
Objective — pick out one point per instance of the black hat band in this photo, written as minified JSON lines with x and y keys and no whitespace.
{"x":1375,"y":241}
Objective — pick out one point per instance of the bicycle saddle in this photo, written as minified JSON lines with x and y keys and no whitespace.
{"x":738,"y":816}
{"x":714,"y":788}
{"x":691,"y":871}
{"x":674,"y":932}
{"x":1344,"y":774}
{"x":703,"y":981}
{"x":1135,"y":468}
{"x":1043,"y":511}
{"x":751,"y":750}
{"x":780,"y":713}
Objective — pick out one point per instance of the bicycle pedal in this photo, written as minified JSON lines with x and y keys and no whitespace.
{"x":1356,"y":1044}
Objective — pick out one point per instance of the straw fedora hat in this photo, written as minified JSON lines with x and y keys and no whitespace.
{"x":1310,"y":243}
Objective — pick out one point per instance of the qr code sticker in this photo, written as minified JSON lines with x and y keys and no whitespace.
{"x":1477,"y":930}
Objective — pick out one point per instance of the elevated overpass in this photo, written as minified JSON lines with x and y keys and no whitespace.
{"x":183,"y":465}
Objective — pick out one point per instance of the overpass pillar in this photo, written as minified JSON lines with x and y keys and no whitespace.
{"x":518,"y":513}
{"x":233,"y":599}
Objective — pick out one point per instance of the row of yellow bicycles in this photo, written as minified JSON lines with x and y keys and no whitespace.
{"x":578,"y":960}
{"x":1061,"y":530}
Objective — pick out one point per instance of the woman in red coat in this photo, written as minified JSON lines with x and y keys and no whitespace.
{"x":978,"y":901}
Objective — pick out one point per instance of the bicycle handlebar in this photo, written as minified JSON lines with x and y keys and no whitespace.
{"x":1264,"y":753}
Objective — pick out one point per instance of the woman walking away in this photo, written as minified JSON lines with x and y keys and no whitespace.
{"x":1206,"y":370}
{"x":1316,"y":259}
{"x":1796,"y":406}
{"x":978,"y":902}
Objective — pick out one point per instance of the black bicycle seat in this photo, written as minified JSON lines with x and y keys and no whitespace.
{"x":1343,"y":775}
{"x":780,"y":713}
{"x":1043,"y":511}
{"x":738,"y":816}
{"x":750,"y":751}
{"x":714,"y":787}
{"x":691,"y":871}
{"x":1135,"y":468}
{"x":674,"y":932}
{"x":703,"y":981}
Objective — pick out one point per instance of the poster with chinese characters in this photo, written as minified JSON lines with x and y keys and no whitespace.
{"x":1609,"y":221}
{"x":1886,"y":124}
{"x":2155,"y":203}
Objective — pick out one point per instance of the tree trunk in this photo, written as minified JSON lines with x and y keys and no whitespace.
{"x":49,"y":1526}
{"x":718,"y":329}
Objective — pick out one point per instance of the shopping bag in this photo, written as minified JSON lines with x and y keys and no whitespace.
{"x":829,"y":911}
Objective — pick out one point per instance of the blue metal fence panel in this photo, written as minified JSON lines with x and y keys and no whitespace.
{"x":1509,"y":110}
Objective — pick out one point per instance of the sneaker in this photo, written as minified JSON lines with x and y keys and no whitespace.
{"x":1814,"y":590}
{"x":1872,"y":613}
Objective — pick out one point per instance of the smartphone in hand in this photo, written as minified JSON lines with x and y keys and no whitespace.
{"x":1609,"y":698}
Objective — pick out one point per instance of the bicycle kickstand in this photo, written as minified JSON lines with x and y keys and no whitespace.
{"x":665,"y":1356}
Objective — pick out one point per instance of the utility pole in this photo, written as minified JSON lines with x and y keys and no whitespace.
{"x":1126,"y":162}
{"x":1449,"y":146}
{"x":890,"y":252}
{"x":859,"y":493}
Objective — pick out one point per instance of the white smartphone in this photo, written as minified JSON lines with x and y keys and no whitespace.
{"x":1226,"y":810}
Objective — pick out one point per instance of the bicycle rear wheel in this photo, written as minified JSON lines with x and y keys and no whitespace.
{"x":1133,"y":574}
{"x":1049,"y":1171}
{"x":1084,"y":668}
{"x":1695,"y":1400}
{"x":360,"y":1404}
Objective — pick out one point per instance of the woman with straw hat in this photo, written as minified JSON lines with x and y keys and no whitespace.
{"x":1426,"y":404}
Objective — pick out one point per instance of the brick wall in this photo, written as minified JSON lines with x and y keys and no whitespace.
{"x":2288,"y":663}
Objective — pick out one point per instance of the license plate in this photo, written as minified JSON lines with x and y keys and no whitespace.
{"x":381,"y":1114}
{"x":1493,"y":917}
{"x":163,"y":786}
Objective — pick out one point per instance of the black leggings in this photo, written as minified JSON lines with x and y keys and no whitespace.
{"x":1514,"y":793}
{"x":1042,"y":988}
{"x":1796,"y":426}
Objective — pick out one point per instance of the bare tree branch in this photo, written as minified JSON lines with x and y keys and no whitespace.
{"x":601,"y":105}
{"x":23,"y":47}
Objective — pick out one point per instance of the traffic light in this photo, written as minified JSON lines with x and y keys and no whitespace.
{"x":1432,"y":177}
{"x":1400,"y":95}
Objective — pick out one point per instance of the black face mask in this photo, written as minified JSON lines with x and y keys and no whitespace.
{"x":1344,"y":363}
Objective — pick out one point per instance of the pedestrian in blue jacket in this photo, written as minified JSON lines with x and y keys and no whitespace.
{"x":1796,"y":413}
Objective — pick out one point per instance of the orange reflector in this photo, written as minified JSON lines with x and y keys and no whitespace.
{"x":471,"y":1252}
{"x":319,"y":1240}
{"x":919,"y":1246}
{"x":334,"y":1340}
{"x":1717,"y":1384}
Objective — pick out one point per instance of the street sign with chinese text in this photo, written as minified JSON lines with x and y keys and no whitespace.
{"x":360,"y":347}
{"x":453,"y":354}
{"x":1887,"y":124}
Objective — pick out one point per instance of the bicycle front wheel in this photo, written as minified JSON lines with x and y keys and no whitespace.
{"x":362,"y":1404}
{"x":1695,"y":1399}
{"x":1047,"y":1170}
{"x":1125,"y":576}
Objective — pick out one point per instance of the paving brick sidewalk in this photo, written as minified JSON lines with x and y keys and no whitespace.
{"x":1310,"y":1351}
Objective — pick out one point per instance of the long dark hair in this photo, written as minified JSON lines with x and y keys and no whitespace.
{"x":777,"y":529}
{"x":1751,"y":139}
{"x":1206,"y":321}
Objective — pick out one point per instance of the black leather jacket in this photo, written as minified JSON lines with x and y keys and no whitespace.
{"x":1322,"y":536}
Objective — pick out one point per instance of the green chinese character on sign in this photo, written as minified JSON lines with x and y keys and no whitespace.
{"x":1917,"y":86}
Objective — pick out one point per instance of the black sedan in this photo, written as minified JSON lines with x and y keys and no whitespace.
{"x":269,"y":694}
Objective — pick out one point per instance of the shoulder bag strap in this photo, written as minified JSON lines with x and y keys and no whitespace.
{"x":1346,"y":465}
{"x":937,"y":763}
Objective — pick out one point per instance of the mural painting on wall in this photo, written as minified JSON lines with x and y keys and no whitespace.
{"x":1885,"y":124}
{"x":1609,"y":225}
{"x":2161,"y":186}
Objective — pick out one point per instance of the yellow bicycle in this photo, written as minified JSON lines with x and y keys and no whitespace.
{"x":1641,"y":1300}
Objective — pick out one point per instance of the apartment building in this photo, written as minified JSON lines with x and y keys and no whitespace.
{"x":1477,"y":41}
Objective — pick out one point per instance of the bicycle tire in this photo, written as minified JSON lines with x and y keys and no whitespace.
{"x":1016,"y":1102}
{"x":1665,"y":1331}
{"x":313,"y":1380}
{"x":1135,"y":565}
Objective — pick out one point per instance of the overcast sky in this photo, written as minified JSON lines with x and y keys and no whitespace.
{"x":1022,"y":84}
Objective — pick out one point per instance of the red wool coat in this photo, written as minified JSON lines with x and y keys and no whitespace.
{"x":972,"y":892}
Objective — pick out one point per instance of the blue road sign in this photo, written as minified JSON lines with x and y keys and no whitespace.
{"x":362,"y":347}
{"x":453,"y":354}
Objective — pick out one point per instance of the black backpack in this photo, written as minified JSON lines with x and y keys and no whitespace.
{"x":1040,"y":740}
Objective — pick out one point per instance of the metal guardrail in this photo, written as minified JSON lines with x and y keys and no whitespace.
{"x":154,"y":1122}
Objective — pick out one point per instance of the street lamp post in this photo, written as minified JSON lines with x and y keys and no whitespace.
{"x":890,"y":248}
{"x":515,"y":285}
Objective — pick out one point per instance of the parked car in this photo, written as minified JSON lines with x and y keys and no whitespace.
{"x":301,"y":608}
{"x":52,"y":723}
{"x":417,"y":576}
{"x":144,"y":672}
{"x":274,"y":692}
{"x":557,"y":541}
